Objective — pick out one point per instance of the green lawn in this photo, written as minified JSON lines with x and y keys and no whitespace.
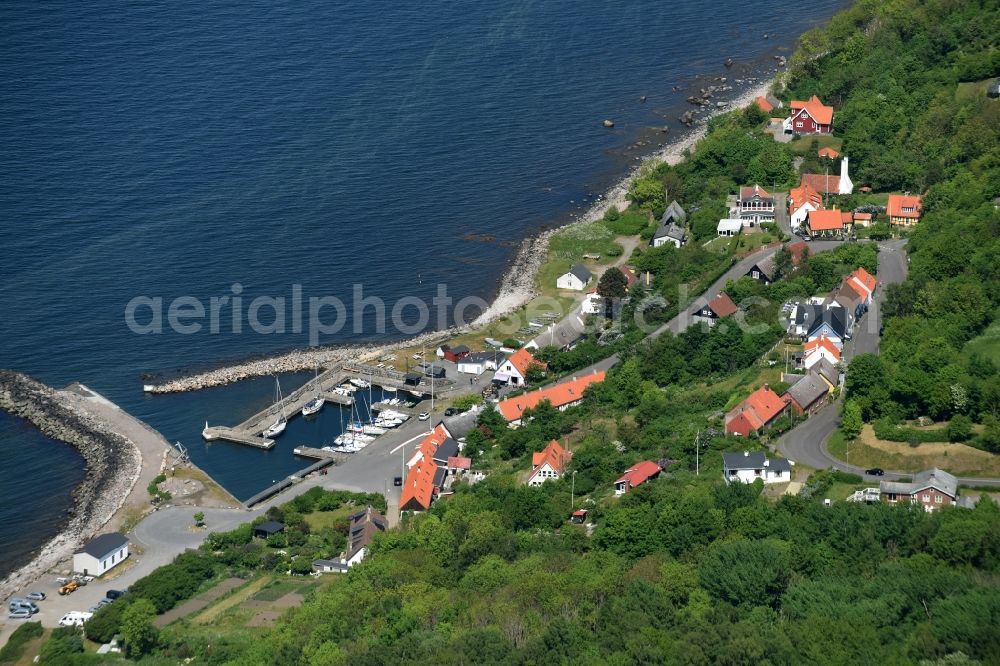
{"x":319,"y":520}
{"x":804,"y":145}
{"x":987,"y":344}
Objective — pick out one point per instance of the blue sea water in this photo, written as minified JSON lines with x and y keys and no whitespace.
{"x":176,"y":149}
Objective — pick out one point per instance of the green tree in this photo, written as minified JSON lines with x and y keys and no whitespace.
{"x":960,"y":428}
{"x":850,"y":420}
{"x":746,"y":573}
{"x":138,"y":632}
{"x":612,"y":286}
{"x":199,"y":518}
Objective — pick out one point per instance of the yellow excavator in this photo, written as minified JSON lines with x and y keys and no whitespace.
{"x":68,"y":587}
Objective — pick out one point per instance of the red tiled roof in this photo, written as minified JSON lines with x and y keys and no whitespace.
{"x":798,"y":250}
{"x":638,"y":474}
{"x":824,"y":220}
{"x":865,"y":278}
{"x":821,"y":182}
{"x":722,"y":305}
{"x":764,"y":105}
{"x":629,"y":274}
{"x":760,"y":407}
{"x":803,"y":194}
{"x":553,"y":454}
{"x":829,"y":153}
{"x":522,"y":360}
{"x":558,"y":395}
{"x":756,"y":190}
{"x":863,"y":216}
{"x":743,"y":424}
{"x":822,"y":342}
{"x":897,"y":202}
{"x":418,"y":489}
{"x":459,"y":462}
{"x":847,"y":217}
{"x":818,"y":111}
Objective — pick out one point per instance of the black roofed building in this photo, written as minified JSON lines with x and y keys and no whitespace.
{"x":101,"y":554}
{"x":267,"y":528}
{"x":764,"y":271}
{"x":576,"y":278}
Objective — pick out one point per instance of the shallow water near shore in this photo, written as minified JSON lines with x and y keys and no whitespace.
{"x":176,"y":150}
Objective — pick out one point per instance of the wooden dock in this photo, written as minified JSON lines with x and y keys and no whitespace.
{"x":237,"y":436}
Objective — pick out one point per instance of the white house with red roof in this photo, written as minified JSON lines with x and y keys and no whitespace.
{"x":562,"y":396}
{"x":818,"y":349}
{"x":810,"y":117}
{"x":514,"y":370}
{"x":636,"y":475}
{"x":801,"y":201}
{"x":549,"y":463}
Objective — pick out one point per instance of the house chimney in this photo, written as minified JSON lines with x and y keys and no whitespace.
{"x":746,"y":454}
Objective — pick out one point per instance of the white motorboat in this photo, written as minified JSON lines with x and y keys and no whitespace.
{"x":360,"y":383}
{"x":372,"y":429}
{"x":278,"y":426}
{"x":350,"y":388}
{"x":313,"y":406}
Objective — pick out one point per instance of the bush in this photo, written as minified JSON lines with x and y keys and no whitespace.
{"x":14,"y":648}
{"x":887,"y":430}
{"x":464,"y":403}
{"x":512,"y":343}
{"x":631,"y":223}
{"x":960,"y":428}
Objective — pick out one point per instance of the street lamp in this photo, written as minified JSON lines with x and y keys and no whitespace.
{"x":572,"y":490}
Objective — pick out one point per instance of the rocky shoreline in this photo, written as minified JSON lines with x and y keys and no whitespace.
{"x":113,"y":463}
{"x":517,"y":287}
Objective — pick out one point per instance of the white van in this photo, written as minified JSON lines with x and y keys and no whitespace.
{"x":74,"y":619}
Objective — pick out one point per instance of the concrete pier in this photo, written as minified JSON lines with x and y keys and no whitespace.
{"x":319,"y":454}
{"x":237,"y":436}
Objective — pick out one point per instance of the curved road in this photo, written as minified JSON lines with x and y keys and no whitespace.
{"x":806,"y":443}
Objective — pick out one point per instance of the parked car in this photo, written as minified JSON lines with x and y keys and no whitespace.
{"x":19,"y":614}
{"x":397,"y":481}
{"x":451,"y":411}
{"x":35,"y":596}
{"x":62,"y":580}
{"x":19,"y":603}
{"x":94,"y":608}
{"x":875,"y":471}
{"x":423,"y":416}
{"x":114,"y":594}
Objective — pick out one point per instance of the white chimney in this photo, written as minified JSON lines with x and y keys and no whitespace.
{"x":845,"y":186}
{"x":746,"y":454}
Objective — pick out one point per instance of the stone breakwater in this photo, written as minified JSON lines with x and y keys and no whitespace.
{"x":112,"y":461}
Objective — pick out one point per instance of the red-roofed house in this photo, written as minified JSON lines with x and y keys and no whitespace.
{"x":763,"y":104}
{"x":828,"y":153}
{"x":863,"y":283}
{"x":514,"y":370}
{"x":719,"y":307}
{"x":629,"y":274}
{"x":904,"y":209}
{"x":636,"y":475}
{"x":811,"y":117}
{"x":818,"y":349}
{"x":425,"y":478}
{"x":561,"y":396}
{"x":549,"y":463}
{"x":863,"y":219}
{"x":798,"y":251}
{"x":758,"y":411}
{"x":801,"y":201}
{"x":459,"y":464}
{"x":830,"y":183}
{"x":825,"y":223}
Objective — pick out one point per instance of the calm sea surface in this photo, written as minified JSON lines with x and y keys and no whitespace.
{"x":177,"y":149}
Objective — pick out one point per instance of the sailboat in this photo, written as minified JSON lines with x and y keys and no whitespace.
{"x":315,"y":404}
{"x":278,"y":426}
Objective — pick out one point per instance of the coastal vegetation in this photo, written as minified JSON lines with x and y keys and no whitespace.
{"x":687,"y":569}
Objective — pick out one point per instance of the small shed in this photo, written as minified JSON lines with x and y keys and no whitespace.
{"x":267,"y":528}
{"x":412,"y":378}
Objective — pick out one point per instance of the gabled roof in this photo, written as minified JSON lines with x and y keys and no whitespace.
{"x":798,"y":250}
{"x":897,"y":202}
{"x":823,"y":183}
{"x":483,"y":356}
{"x":863,"y":216}
{"x":848,"y":296}
{"x":673,"y":213}
{"x":522,"y":360}
{"x":459,"y":462}
{"x":822,"y":342}
{"x":930,"y":478}
{"x":447,"y":449}
{"x":828,"y":153}
{"x":824,"y":220}
{"x":270,"y":527}
{"x":106,"y":543}
{"x":818,"y":111}
{"x":558,"y":395}
{"x":767,"y":266}
{"x":556,"y":456}
{"x":629,"y":274}
{"x":638,"y":474}
{"x":460,"y":349}
{"x":807,"y":391}
{"x":805,"y":193}
{"x":363,"y":528}
{"x":827,"y":370}
{"x":671,"y":231}
{"x":765,"y":403}
{"x":581,"y":272}
{"x":729,"y":224}
{"x":722,"y":305}
{"x":865,"y":278}
{"x":764,"y":105}
{"x":749,"y":192}
{"x":744,"y":460}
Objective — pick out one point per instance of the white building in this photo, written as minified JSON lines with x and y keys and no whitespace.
{"x":101,"y":554}
{"x":479,"y":362}
{"x":731,"y":226}
{"x":592,"y":303}
{"x":748,"y":466}
{"x":576,"y":278}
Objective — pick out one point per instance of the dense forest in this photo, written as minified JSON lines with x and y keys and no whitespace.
{"x":687,"y":569}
